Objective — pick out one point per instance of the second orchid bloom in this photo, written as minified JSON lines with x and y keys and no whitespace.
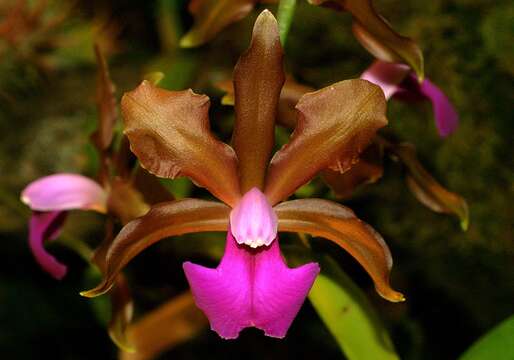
{"x":170,"y":134}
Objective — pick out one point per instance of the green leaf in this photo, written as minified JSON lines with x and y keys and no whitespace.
{"x":497,"y":344}
{"x":348,"y":315}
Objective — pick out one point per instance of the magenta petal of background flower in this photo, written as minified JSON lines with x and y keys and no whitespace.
{"x":250,"y":287}
{"x":253,"y":221}
{"x":446,"y":118}
{"x":46,"y":226}
{"x":386,"y":75}
{"x":64,"y":192}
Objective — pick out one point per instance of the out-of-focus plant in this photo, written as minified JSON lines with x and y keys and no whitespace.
{"x":47,"y":35}
{"x":252,"y":286}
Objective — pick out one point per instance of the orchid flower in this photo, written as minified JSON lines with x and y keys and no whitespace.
{"x":398,"y":79}
{"x":369,"y":27}
{"x":169,"y":133}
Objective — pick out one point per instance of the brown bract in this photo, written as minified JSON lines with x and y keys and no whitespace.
{"x":426,"y":189}
{"x":169,"y":132}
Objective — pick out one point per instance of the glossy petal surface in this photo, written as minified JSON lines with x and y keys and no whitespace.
{"x":64,"y":192}
{"x":253,"y":221}
{"x":250,"y":287}
{"x":258,"y":79}
{"x":339,"y":224}
{"x":163,"y":220}
{"x":45,"y":226}
{"x":334,"y":125}
{"x":170,"y":134}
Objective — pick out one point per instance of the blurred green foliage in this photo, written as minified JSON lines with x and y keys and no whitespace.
{"x":458,"y":285}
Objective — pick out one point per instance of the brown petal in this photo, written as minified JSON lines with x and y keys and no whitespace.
{"x":212,"y":16}
{"x":170,"y":134}
{"x":163,"y":220}
{"x":106,"y":104}
{"x":171,"y":324}
{"x":376,"y":35}
{"x":427,"y":190}
{"x":339,"y":224}
{"x":367,"y":171}
{"x":334,"y":125}
{"x":258,"y":78}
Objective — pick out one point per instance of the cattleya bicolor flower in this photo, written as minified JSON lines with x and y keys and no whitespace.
{"x":369,"y":27}
{"x":252,"y":285}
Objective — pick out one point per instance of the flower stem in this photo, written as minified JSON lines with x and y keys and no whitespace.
{"x":285,"y":18}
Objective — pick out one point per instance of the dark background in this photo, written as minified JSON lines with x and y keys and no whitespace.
{"x":458,"y":284}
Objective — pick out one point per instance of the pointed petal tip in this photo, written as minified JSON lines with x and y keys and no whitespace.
{"x":97,"y":291}
{"x":391,"y":295}
{"x":267,"y":22}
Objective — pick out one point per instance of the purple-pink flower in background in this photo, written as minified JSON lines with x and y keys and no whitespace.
{"x":399,"y":81}
{"x":49,"y":198}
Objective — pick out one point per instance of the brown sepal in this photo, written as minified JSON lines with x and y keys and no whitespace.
{"x":258,"y":79}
